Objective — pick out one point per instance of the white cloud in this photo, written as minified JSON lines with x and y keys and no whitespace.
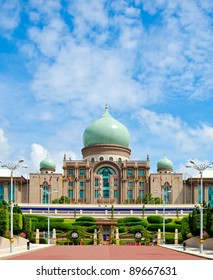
{"x":38,"y":153}
{"x":10,"y":17}
{"x":4,"y":145}
{"x":176,"y":133}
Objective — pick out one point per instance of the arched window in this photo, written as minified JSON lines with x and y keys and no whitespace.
{"x":101,"y":158}
{"x":45,"y":194}
{"x":119,"y":159}
{"x":111,"y":158}
{"x":166,"y":194}
{"x":106,"y":172}
{"x":210,"y":195}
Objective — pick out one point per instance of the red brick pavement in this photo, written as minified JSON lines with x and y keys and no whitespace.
{"x":104,"y":253}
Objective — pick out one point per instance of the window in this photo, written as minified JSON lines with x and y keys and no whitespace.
{"x":141,"y":194}
{"x":92,"y":159}
{"x":130,"y":184}
{"x":141,"y":184}
{"x":115,"y":193}
{"x":70,"y":184}
{"x":130,"y":194}
{"x":82,"y":184}
{"x":82,"y":194}
{"x":106,"y":172}
{"x":166,"y":195}
{"x":96,"y":193}
{"x":141,"y":172}
{"x":70,"y":194}
{"x":210,"y":195}
{"x":119,"y":159}
{"x":96,"y":182}
{"x":71,"y":171}
{"x":111,"y":158}
{"x":82,"y":171}
{"x":130,"y":172}
{"x":1,"y":192}
{"x":45,"y":195}
{"x":101,"y":158}
{"x":115,"y":182}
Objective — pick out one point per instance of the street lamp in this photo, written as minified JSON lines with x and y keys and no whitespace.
{"x":48,"y":212}
{"x":162,"y":193}
{"x":200,"y":167}
{"x":12,"y":166}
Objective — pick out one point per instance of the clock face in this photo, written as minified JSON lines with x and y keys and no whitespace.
{"x":74,"y":235}
{"x":138,"y":235}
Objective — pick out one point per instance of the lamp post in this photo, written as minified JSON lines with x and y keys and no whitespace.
{"x":12,"y":166}
{"x":162,"y":193}
{"x":48,"y":212}
{"x":200,"y":167}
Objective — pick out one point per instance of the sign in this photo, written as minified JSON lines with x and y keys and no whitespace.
{"x":138,"y":235}
{"x":74,"y":235}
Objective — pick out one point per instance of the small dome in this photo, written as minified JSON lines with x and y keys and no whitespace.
{"x":106,"y":130}
{"x":47,"y":164}
{"x":164,"y":164}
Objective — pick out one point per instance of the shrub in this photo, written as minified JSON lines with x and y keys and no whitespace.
{"x":172,"y":227}
{"x":178,"y":221}
{"x":42,"y":241}
{"x":85,"y":223}
{"x":185,"y":229}
{"x":168,"y":220}
{"x":4,"y":220}
{"x":86,"y":218}
{"x":129,"y":219}
{"x":91,"y":229}
{"x":155,"y":227}
{"x":169,"y":239}
{"x":122,"y":229}
{"x":155,"y":219}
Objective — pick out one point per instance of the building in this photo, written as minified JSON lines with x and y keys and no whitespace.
{"x":106,"y":174}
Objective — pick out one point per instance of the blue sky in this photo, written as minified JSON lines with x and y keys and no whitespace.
{"x":150,"y":61}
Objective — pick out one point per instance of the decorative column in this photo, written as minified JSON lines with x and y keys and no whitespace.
{"x":95,"y":237}
{"x":117,"y":242}
{"x":54,"y":237}
{"x":176,"y":236}
{"x":37,"y":236}
{"x":159,"y":237}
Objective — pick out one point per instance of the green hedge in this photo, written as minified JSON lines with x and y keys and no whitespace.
{"x":91,"y":229}
{"x":85,"y":223}
{"x":155,"y":219}
{"x":17,"y":223}
{"x":4,"y":221}
{"x":128,"y":219}
{"x":168,"y":220}
{"x":86,"y":218}
{"x":168,"y":227}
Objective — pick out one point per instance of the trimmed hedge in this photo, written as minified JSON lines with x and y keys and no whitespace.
{"x":168,"y":227}
{"x":155,"y":219}
{"x":4,"y":221}
{"x":86,"y":218}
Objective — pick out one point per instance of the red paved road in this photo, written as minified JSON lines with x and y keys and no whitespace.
{"x":105,"y":253}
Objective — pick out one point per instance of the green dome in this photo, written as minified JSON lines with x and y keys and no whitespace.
{"x":164,"y":163}
{"x":47,"y":163}
{"x":106,"y":130}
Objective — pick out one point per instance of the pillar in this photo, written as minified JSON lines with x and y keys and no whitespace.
{"x":176,"y":236}
{"x":54,"y":237}
{"x":37,"y":236}
{"x":159,"y":237}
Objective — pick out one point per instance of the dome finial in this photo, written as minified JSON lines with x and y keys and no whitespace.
{"x":106,"y":107}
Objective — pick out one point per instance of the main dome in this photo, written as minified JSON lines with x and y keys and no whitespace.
{"x":106,"y":130}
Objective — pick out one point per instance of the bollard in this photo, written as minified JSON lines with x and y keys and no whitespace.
{"x":184,"y":246}
{"x":28,"y":245}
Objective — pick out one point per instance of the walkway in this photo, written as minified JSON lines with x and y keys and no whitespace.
{"x":52,"y":252}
